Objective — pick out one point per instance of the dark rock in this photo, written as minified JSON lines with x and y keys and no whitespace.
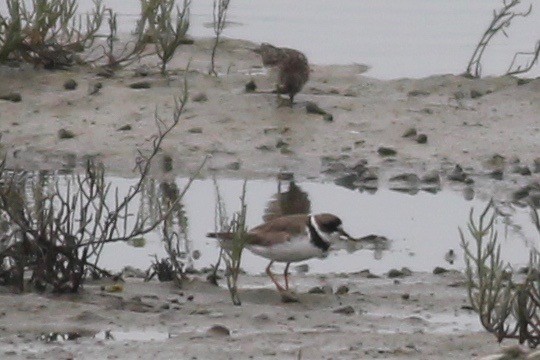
{"x":406,"y":296}
{"x":537,"y":165}
{"x":218,"y":331}
{"x":281,"y":143}
{"x":418,"y":93}
{"x":431,"y":178}
{"x":70,"y":84}
{"x":407,"y":177}
{"x":497,"y":174}
{"x":347,"y":181}
{"x":522,"y":81}
{"x":421,"y":138}
{"x":334,"y":167}
{"x":235,"y":165}
{"x":522,"y":170}
{"x":386,"y":151}
{"x":410,"y":132}
{"x":196,"y":130}
{"x":94,"y":88}
{"x":395,"y":273}
{"x":476,"y":94}
{"x":199,"y":97}
{"x":342,"y":290}
{"x":13,"y":97}
{"x":328,"y":117}
{"x":250,"y":86}
{"x":439,"y":270}
{"x":368,"y":175}
{"x":105,"y":72}
{"x":345,"y":310}
{"x":125,"y":127}
{"x":312,"y":108}
{"x":534,"y":198}
{"x":65,"y":134}
{"x":141,"y":85}
{"x":457,"y":174}
{"x":521,"y":193}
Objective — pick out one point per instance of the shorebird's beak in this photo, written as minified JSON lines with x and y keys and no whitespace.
{"x":344,"y":234}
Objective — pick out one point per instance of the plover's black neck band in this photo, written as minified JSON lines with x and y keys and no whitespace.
{"x":315,"y":238}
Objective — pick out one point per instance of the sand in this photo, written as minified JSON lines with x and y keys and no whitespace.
{"x":481,"y":124}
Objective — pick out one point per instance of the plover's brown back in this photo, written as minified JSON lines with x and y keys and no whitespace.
{"x":292,"y":65}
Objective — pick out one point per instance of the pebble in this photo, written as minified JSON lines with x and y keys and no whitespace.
{"x":13,"y":97}
{"x":345,"y":310}
{"x":199,"y":97}
{"x":439,"y":270}
{"x":218,"y":331}
{"x":65,"y":134}
{"x":386,"y":151}
{"x":125,"y":127}
{"x":409,"y":133}
{"x":140,"y":85}
{"x":70,"y":84}
{"x":342,"y":290}
{"x":250,"y":86}
{"x":421,"y":139}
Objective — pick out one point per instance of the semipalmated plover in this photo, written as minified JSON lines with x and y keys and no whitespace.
{"x":291,"y":238}
{"x":292,"y":65}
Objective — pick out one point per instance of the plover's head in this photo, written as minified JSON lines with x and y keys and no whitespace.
{"x":329,"y":227}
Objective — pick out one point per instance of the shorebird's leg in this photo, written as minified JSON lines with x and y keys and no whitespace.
{"x":286,"y":276}
{"x":269,"y":273}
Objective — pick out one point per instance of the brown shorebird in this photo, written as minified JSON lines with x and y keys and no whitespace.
{"x":289,"y":239}
{"x":292,"y":65}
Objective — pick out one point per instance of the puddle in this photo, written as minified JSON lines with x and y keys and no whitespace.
{"x":422,"y":228}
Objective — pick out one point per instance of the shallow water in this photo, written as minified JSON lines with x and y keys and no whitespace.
{"x":406,"y":38}
{"x":422,"y":228}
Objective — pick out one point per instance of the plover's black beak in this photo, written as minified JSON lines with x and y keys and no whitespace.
{"x":344,"y":234}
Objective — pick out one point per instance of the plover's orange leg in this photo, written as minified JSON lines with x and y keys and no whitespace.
{"x":271,"y":275}
{"x":286,"y":276}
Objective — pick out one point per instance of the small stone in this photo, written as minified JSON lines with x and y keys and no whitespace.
{"x":13,"y":97}
{"x":190,"y":298}
{"x":521,"y":193}
{"x":410,"y":132}
{"x":218,"y":331}
{"x":313,"y":108}
{"x":262,"y":317}
{"x":126,"y":127}
{"x":476,"y":94}
{"x":421,"y":138}
{"x":418,"y":93}
{"x":94,"y":88}
{"x":165,"y":307}
{"x":328,"y":117}
{"x":281,"y":143}
{"x":140,"y":85}
{"x":457,"y":174}
{"x":70,"y":84}
{"x":250,"y":86}
{"x":497,"y":174}
{"x":407,"y":177}
{"x":235,"y":165}
{"x":431,"y":178}
{"x":319,"y":290}
{"x":394,"y":273}
{"x":345,"y":310}
{"x":196,"y":130}
{"x":386,"y":151}
{"x":439,"y":270}
{"x":342,"y":290}
{"x":199,"y":97}
{"x":406,"y":296}
{"x":65,"y":134}
{"x":537,"y":165}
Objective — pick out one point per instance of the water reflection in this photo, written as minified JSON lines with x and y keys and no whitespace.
{"x":421,"y":229}
{"x":292,"y":201}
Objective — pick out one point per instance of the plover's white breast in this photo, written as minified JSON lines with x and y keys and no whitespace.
{"x":297,"y":249}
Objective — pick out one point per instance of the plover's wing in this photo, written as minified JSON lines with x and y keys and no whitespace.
{"x":269,"y":238}
{"x":292,"y":224}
